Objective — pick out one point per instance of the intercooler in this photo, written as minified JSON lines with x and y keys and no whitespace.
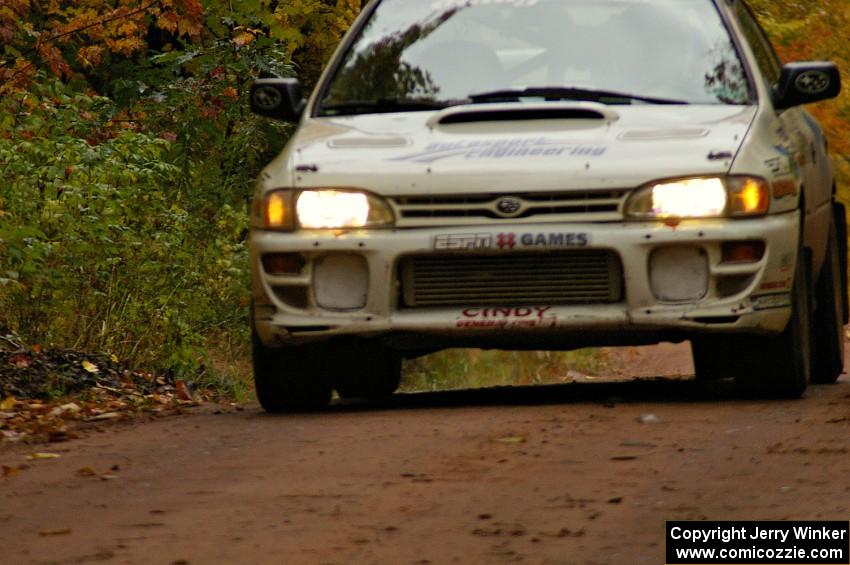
{"x":563,"y":277}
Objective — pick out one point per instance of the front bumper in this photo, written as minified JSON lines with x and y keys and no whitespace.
{"x":740,"y":297}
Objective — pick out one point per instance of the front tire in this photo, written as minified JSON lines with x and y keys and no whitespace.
{"x":828,"y":326}
{"x":781,"y":366}
{"x":373,"y":372}
{"x":767,"y":366}
{"x":289,"y":379}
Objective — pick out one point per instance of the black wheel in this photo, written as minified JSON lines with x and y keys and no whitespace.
{"x":291,"y":378}
{"x":712,"y":355}
{"x":828,"y":318}
{"x":769,"y":366}
{"x":372,"y":372}
{"x":780,"y":366}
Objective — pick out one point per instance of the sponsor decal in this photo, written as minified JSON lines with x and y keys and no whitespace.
{"x":505,"y":148}
{"x":501,"y":317}
{"x":769,"y":301}
{"x":464,"y":241}
{"x":786,"y":263}
{"x":776,"y":285}
{"x":779,"y":165}
{"x":512,"y":240}
{"x":782,"y":188}
{"x":567,"y":239}
{"x":790,"y":158}
{"x":506,"y":240}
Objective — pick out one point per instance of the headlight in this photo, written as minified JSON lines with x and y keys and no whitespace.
{"x":321,"y":209}
{"x":702,"y":197}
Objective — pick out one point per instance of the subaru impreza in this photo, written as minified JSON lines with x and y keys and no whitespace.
{"x":547,"y":174}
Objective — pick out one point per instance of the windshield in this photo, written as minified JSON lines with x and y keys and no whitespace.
{"x":425,"y":54}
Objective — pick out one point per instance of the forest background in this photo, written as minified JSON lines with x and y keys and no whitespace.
{"x":128,"y":158}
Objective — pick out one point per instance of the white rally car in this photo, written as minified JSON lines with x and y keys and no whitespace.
{"x":548,"y":174}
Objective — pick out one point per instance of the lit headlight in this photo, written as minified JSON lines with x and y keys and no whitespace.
{"x":322,"y":209}
{"x":705,"y":197}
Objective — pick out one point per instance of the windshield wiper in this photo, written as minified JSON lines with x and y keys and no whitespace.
{"x":381,"y":105}
{"x":568,"y":93}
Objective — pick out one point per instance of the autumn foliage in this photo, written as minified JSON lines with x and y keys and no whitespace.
{"x":128,"y":156}
{"x":816,"y":30}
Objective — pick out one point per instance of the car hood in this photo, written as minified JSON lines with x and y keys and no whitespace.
{"x":430,"y":153}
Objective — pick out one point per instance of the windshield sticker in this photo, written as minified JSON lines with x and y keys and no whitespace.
{"x":451,"y":4}
{"x":503,"y":149}
{"x":507,"y":317}
{"x":511,"y":240}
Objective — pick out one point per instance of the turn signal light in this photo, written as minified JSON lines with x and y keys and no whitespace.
{"x":743,"y":251}
{"x":283,"y":263}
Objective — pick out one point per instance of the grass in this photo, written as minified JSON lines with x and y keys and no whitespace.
{"x":475,"y":368}
{"x":228,"y":372}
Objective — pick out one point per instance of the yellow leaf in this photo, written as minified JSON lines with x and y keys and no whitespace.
{"x":511,"y":439}
{"x":8,"y":404}
{"x":90,"y":367}
{"x":114,"y":358}
{"x":43,"y":456}
{"x":243,"y":39}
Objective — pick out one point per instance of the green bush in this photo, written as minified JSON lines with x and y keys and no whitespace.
{"x":105,"y":243}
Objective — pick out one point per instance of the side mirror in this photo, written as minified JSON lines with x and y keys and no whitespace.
{"x":278,"y":98}
{"x":804,"y":83}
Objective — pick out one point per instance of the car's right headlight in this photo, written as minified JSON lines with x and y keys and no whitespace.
{"x":322,"y":208}
{"x":700,"y":197}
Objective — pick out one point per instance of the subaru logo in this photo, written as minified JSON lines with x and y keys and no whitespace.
{"x":509,"y":206}
{"x":813,"y":82}
{"x":267,"y":98}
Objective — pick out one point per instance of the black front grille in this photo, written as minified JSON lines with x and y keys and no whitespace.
{"x":564,"y":277}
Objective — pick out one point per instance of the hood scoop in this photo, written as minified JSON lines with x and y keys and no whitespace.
{"x":513,"y":112}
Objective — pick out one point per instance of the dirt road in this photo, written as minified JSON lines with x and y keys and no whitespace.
{"x":579,"y":473}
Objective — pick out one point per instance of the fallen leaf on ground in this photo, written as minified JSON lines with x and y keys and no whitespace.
{"x":90,"y":367}
{"x":105,"y":416}
{"x":9,"y":471}
{"x":8,"y":403}
{"x":43,"y":456}
{"x":511,"y":439}
{"x":183,"y":391}
{"x":86,"y":472}
{"x":21,"y":360}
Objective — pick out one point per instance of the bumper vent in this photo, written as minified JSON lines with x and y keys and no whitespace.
{"x":569,"y":277}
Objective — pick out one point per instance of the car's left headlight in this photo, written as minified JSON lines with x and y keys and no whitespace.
{"x":700,"y":197}
{"x":330,"y":208}
{"x":317,"y":209}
